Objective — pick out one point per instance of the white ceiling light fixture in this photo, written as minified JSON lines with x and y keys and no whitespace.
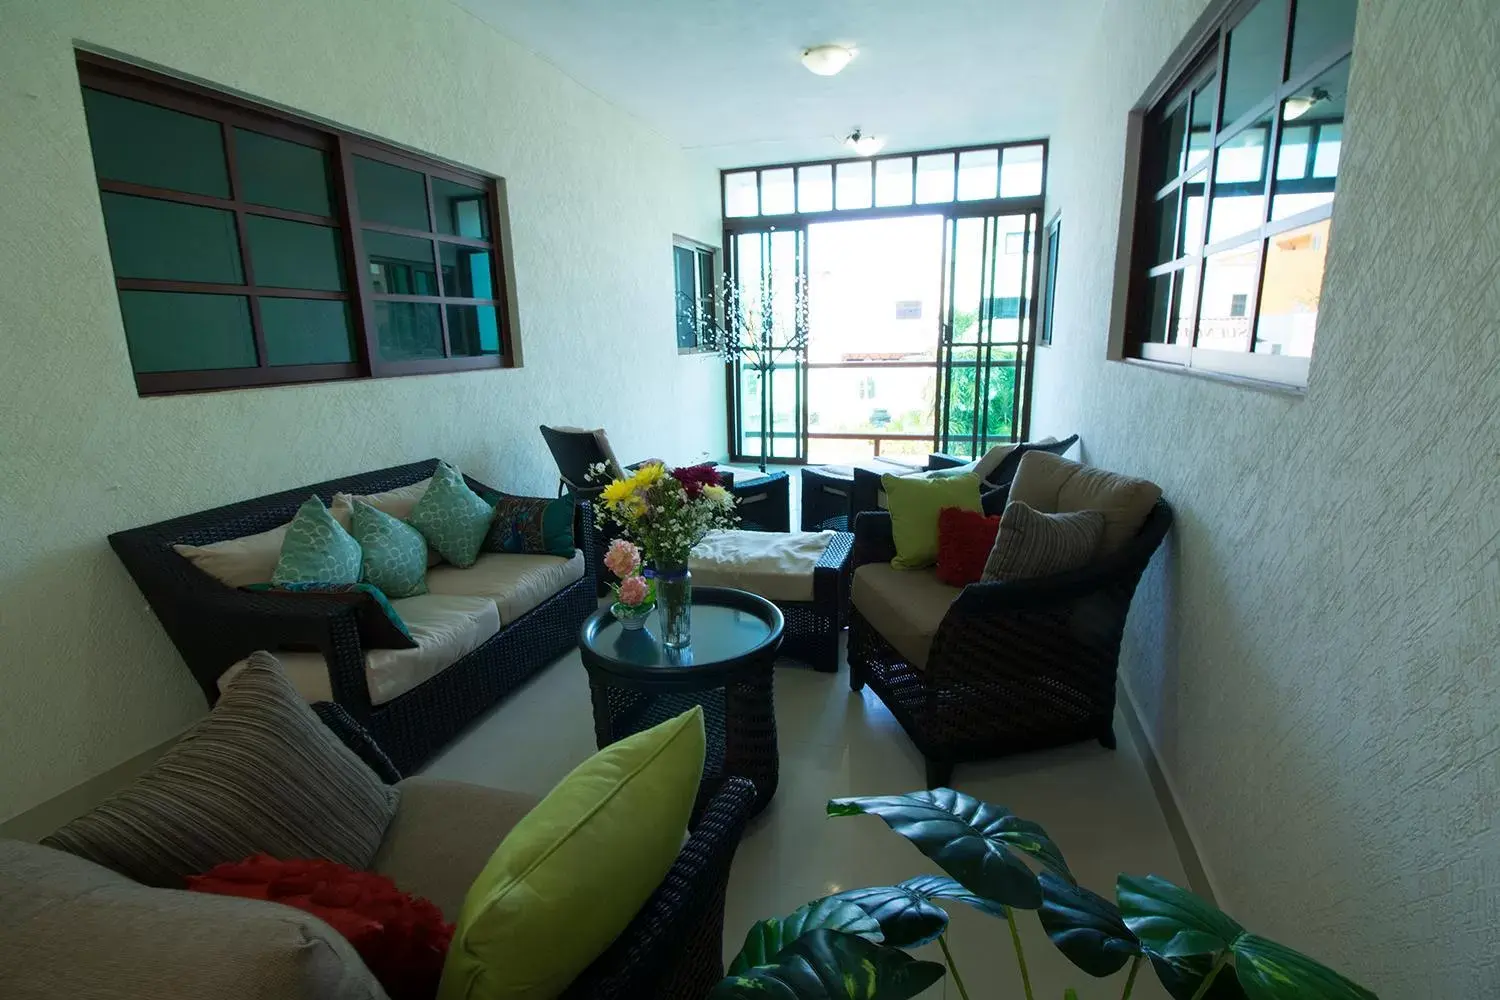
{"x":828,"y":60}
{"x":863,"y":143}
{"x":1296,"y":107}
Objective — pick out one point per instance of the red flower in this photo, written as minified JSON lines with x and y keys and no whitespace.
{"x":402,"y":938}
{"x":694,"y":477}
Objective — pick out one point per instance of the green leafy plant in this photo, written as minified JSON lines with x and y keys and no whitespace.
{"x":849,"y":944}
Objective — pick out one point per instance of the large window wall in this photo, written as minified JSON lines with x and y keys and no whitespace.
{"x":918,"y":275}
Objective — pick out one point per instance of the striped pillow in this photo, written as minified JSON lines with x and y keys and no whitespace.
{"x":260,"y":774}
{"x":1031,"y":543}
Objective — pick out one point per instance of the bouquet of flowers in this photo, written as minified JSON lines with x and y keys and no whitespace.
{"x":666,"y":512}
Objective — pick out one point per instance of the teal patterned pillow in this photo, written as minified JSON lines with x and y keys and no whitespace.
{"x":533,"y":525}
{"x":380,"y":626}
{"x":395,"y":552}
{"x":317,"y":549}
{"x":453,"y":518}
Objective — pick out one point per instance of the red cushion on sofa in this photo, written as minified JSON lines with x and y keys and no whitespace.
{"x":402,"y":938}
{"x":965,"y":538}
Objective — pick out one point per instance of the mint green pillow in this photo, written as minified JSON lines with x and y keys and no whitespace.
{"x":914,"y":505}
{"x":317,"y":549}
{"x":453,"y":518}
{"x":395,"y":552}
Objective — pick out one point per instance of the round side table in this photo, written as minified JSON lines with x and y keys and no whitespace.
{"x":636,"y":683}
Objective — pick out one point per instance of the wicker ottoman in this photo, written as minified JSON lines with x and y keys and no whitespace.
{"x":805,"y":574}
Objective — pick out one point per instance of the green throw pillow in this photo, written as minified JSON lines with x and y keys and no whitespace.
{"x":453,"y":518}
{"x":532,"y":525}
{"x":317,"y":549}
{"x":380,"y":627}
{"x":572,"y":874}
{"x":914,"y":505}
{"x":395,"y":552}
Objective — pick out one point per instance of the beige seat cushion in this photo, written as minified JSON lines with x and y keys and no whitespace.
{"x":514,"y":583}
{"x":777,"y":565}
{"x":70,"y":928}
{"x":446,"y":629}
{"x":443,"y":835}
{"x":1057,"y":485}
{"x":239,"y":562}
{"x":906,"y":606}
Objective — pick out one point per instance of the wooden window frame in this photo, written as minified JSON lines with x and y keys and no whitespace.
{"x":1202,"y":57}
{"x":705,"y":294}
{"x":125,"y":80}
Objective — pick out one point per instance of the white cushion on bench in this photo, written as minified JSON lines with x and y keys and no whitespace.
{"x":777,"y":565}
{"x":446,"y":629}
{"x":515,"y":583}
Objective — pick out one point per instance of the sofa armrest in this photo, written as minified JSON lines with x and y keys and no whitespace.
{"x":937,"y":460}
{"x":357,"y":738}
{"x":674,"y":945}
{"x":873,"y":541}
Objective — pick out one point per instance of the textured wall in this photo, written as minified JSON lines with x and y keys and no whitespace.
{"x":86,"y":676}
{"x":1316,"y":653}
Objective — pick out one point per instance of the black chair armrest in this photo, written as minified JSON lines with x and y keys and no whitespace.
{"x":938,"y":460}
{"x":357,"y":738}
{"x":674,"y":945}
{"x":873,"y":541}
{"x":865,"y":493}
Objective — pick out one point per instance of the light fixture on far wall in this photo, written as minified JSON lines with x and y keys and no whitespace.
{"x":863,"y":143}
{"x":1296,"y":107}
{"x":828,"y":60}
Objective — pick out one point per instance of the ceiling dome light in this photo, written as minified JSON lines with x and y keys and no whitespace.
{"x":1296,"y":107}
{"x":828,"y":60}
{"x":864,"y":144}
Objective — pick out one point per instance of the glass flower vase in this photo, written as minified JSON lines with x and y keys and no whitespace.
{"x":674,"y":605}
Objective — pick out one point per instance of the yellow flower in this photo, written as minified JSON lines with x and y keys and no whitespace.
{"x":717,"y":494}
{"x":618,"y":490}
{"x":648,"y":475}
{"x":634,"y":506}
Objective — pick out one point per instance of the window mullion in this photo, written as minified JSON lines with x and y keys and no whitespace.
{"x":247,"y":269}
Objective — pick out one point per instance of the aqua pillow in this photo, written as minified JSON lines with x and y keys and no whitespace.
{"x":531,"y":525}
{"x":453,"y":518}
{"x":914,"y":505}
{"x":575,"y":871}
{"x":395,"y":552}
{"x":317,"y":549}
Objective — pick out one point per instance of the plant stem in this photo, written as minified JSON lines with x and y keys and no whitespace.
{"x":1015,"y":937}
{"x":1220,"y":960}
{"x":1135,"y":966}
{"x":948,"y":957}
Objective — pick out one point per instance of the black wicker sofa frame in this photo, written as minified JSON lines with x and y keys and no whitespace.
{"x":1014,"y":666}
{"x":214,"y":626}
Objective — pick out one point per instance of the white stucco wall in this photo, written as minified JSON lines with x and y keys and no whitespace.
{"x":87,"y":678}
{"x":1316,"y":650}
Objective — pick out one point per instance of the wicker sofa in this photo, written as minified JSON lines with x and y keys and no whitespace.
{"x":214,"y":625}
{"x":997,"y":668}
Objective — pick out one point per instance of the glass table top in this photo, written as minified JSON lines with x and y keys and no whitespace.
{"x":719,"y":633}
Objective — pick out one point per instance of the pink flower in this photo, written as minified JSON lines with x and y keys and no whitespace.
{"x":623,"y":558}
{"x":633,"y":590}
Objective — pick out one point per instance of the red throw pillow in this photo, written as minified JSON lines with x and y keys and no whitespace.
{"x":402,"y":938}
{"x":965,"y":538}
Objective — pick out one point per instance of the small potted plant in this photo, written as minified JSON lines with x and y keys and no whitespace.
{"x":635,"y":596}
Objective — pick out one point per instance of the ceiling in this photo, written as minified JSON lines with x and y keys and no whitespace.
{"x":723,"y":78}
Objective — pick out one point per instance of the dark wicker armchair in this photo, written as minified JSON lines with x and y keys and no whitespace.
{"x":674,"y":947}
{"x":213,"y":626}
{"x":1013,"y":666}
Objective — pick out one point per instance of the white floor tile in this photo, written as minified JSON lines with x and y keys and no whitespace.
{"x":1097,"y":804}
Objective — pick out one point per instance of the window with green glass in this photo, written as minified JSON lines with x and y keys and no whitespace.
{"x":694,"y":273}
{"x":1238,"y":173}
{"x":254,"y":248}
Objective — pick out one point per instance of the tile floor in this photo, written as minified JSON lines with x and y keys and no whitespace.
{"x":1097,"y":805}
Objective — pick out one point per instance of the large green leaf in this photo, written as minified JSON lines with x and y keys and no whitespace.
{"x":1270,"y":971}
{"x":1181,"y":978}
{"x":829,"y":965}
{"x":1171,"y":922}
{"x":979,"y":844}
{"x":1086,"y":927}
{"x":768,"y":937}
{"x":906,"y":914}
